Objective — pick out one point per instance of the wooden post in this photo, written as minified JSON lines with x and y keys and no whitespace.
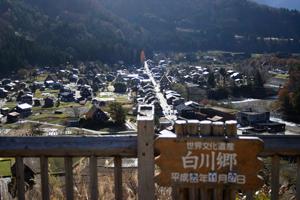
{"x":298,"y":179}
{"x":230,"y":128}
{"x":218,"y":129}
{"x":44,"y":178}
{"x":275,"y":178}
{"x":118,"y":178}
{"x":20,"y":178}
{"x":205,"y":128}
{"x":192,"y":127}
{"x":180,"y":128}
{"x":145,"y":120}
{"x":93,"y":178}
{"x":69,"y":178}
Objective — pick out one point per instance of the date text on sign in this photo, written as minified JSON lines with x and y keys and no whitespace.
{"x":209,"y":161}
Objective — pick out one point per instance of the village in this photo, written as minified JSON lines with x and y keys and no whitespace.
{"x":86,"y":99}
{"x":79,"y":98}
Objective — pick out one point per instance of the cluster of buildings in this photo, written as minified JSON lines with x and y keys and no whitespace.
{"x":199,"y":75}
{"x":249,"y":122}
{"x":70,"y":85}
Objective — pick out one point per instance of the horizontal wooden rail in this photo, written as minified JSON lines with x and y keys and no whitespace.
{"x":104,"y":146}
{"x":121,"y":145}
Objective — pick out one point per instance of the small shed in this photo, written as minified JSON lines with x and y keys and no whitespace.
{"x":4,"y":111}
{"x":24,"y":110}
{"x":96,"y":114}
{"x":27,"y":98}
{"x":36,"y":102}
{"x":3,"y":93}
{"x":67,"y":96}
{"x":48,"y":102}
{"x":13,"y":117}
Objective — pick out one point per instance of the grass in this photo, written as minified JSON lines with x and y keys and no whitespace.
{"x":282,"y":76}
{"x":41,"y":77}
{"x":38,"y":94}
{"x":10,"y":126}
{"x":11,"y":104}
{"x":50,"y":118}
{"x":5,"y":164}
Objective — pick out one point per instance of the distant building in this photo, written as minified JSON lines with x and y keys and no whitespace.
{"x":36,"y":102}
{"x":260,"y":122}
{"x":50,"y":80}
{"x":27,"y":98}
{"x":24,"y":110}
{"x":3,"y":93}
{"x":96,"y":114}
{"x":252,"y":118}
{"x":225,"y":113}
{"x":86,"y":92}
{"x":4,"y":111}
{"x":165,"y":82}
{"x":6,"y":81}
{"x":13,"y":117}
{"x":67,"y":97}
{"x":48,"y":102}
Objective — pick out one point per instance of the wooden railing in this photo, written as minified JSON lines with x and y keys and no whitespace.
{"x":277,"y":146}
{"x":68,"y":147}
{"x":118,"y":147}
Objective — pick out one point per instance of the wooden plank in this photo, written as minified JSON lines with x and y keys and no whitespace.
{"x":218,"y":193}
{"x":69,"y":178}
{"x":275,"y":178}
{"x":249,"y":195}
{"x":118,"y":178}
{"x":230,"y":194}
{"x":193,"y":193}
{"x":102,"y":146}
{"x":298,"y":179}
{"x":204,"y":194}
{"x":146,"y":189}
{"x":20,"y":178}
{"x":93,"y":178}
{"x":175,"y":193}
{"x":44,"y":177}
{"x":179,"y":193}
{"x":110,"y":146}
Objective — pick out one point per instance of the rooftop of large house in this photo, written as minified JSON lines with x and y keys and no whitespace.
{"x":24,"y":106}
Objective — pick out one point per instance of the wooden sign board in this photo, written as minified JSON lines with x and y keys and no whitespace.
{"x":209,"y":161}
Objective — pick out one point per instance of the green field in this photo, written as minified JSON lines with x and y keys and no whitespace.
{"x":5,"y":164}
{"x":282,"y":76}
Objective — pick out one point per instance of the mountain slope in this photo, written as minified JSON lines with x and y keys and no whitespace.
{"x":52,"y":32}
{"x":193,"y":24}
{"x":290,"y":4}
{"x":48,"y":32}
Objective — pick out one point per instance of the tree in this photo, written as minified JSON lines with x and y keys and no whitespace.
{"x":211,"y":80}
{"x":289,"y":95}
{"x":223,"y":74}
{"x":75,"y":110}
{"x":296,"y":101}
{"x":181,"y":89}
{"x":120,"y":87}
{"x":285,"y":101}
{"x":258,"y":79}
{"x":23,"y":73}
{"x":118,"y":113}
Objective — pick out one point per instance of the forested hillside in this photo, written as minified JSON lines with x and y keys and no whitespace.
{"x":52,"y":32}
{"x":238,"y":25}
